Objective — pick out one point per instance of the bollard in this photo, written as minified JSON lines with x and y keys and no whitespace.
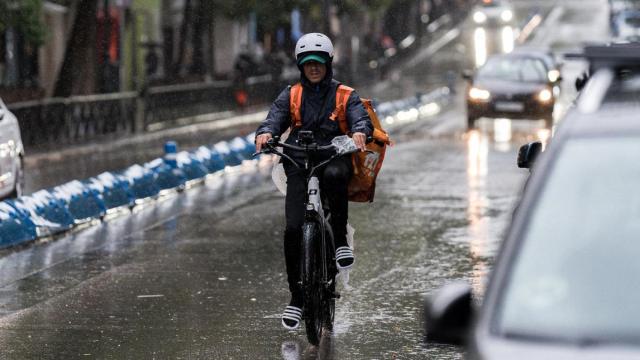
{"x":170,"y":152}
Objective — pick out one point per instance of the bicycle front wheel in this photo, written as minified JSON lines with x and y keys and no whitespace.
{"x":312,"y":282}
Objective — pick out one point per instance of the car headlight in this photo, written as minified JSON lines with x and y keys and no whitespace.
{"x":553,"y":75}
{"x":479,"y":17}
{"x":506,"y":15}
{"x":545,"y":95}
{"x":479,"y":94}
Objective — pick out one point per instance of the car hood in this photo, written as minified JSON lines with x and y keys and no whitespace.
{"x":496,"y":86}
{"x":494,"y":349}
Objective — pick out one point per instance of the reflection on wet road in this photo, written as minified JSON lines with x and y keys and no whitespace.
{"x":488,"y":41}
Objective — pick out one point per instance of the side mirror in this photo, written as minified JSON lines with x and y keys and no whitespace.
{"x":528,"y":154}
{"x":467,"y":74}
{"x":448,"y":315}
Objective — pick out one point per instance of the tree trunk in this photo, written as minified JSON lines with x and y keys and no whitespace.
{"x":179,"y":65}
{"x":77,"y":74}
{"x":198,"y":35}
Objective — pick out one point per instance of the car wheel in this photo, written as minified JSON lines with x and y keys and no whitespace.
{"x":18,"y":187}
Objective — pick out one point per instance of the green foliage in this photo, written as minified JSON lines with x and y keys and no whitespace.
{"x":273,"y":13}
{"x":25,"y":17}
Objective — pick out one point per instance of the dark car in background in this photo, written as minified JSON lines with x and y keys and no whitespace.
{"x":565,"y":283}
{"x":519,"y":85}
{"x":626,"y":25}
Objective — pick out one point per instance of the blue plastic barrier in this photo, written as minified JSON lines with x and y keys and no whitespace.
{"x":142,"y":182}
{"x":231,"y":158}
{"x":251,"y":143}
{"x":168,"y":176}
{"x":15,"y":228}
{"x":210,"y":159}
{"x":48,"y":213}
{"x":113,"y":189}
{"x":216,"y":163}
{"x":83,"y":203}
{"x":241,"y":147}
{"x":191,"y":166}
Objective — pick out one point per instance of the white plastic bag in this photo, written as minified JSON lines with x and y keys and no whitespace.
{"x":343,"y":144}
{"x":278,"y":176}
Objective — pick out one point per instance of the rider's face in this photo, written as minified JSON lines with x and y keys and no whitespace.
{"x":314,"y":71}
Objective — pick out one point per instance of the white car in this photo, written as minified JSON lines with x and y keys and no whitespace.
{"x":11,"y":155}
{"x":626,"y":25}
{"x":493,"y":13}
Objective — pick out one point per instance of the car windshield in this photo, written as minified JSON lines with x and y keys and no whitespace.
{"x":514,"y":69}
{"x":575,"y":276}
{"x":633,"y":20}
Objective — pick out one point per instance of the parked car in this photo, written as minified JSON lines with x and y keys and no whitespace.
{"x":11,"y":155}
{"x":519,"y":85}
{"x":493,"y":13}
{"x":626,"y":25}
{"x":565,"y":282}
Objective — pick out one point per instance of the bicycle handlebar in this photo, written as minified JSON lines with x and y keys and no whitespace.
{"x":275,"y":142}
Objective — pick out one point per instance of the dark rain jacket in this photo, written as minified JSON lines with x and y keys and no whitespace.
{"x":318,"y":102}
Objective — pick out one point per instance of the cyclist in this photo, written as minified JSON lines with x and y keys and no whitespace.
{"x":314,"y":55}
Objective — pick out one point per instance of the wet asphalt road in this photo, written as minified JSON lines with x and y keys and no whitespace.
{"x":201,"y":275}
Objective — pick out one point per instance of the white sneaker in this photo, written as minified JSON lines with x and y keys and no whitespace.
{"x":344,"y":255}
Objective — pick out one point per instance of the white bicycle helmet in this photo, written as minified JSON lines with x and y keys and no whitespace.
{"x":314,"y":42}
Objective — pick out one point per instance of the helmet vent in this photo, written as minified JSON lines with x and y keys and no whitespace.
{"x":318,"y":45}
{"x":303,"y":46}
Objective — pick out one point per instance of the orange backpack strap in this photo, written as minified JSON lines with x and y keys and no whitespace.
{"x":295,"y":102}
{"x":340,"y":112}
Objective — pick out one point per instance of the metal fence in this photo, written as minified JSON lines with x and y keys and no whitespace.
{"x":57,"y":121}
{"x":80,"y":119}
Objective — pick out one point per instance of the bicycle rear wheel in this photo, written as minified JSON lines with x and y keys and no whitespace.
{"x":312,"y":282}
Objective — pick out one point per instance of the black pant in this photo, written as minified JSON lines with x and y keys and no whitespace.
{"x":334,"y":181}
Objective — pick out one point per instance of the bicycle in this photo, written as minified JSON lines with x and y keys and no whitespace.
{"x":318,"y":263}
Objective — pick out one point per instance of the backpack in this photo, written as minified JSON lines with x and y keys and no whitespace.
{"x":366,"y":165}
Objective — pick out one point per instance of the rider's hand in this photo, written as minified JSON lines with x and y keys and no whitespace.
{"x":261,"y":140}
{"x":360,"y":139}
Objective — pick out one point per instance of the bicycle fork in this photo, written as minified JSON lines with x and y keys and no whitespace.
{"x":315,"y":212}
